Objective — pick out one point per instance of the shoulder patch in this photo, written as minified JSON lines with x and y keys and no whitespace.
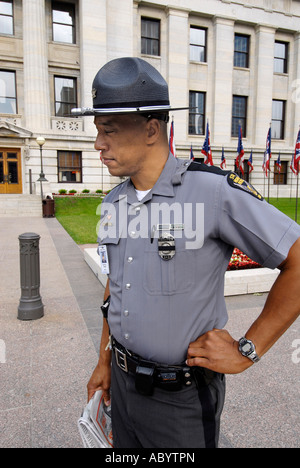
{"x":196,"y":166}
{"x":236,"y":182}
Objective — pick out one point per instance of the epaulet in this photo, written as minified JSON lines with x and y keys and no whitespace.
{"x":195,"y":166}
{"x":232,"y":178}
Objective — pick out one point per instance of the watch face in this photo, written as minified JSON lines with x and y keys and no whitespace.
{"x":247,"y":348}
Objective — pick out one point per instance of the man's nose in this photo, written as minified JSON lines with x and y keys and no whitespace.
{"x":100,"y":144}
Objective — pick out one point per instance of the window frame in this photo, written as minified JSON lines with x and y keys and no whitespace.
{"x":282,"y":120}
{"x":72,"y":104}
{"x":149,"y":38}
{"x":242,"y":120}
{"x":241,"y":52}
{"x":194,"y":114}
{"x":70,"y":7}
{"x":72,"y":169}
{"x":284,"y":59}
{"x":11,"y":2}
{"x":203,"y":47}
{"x":14,"y":98}
{"x":280,"y":179}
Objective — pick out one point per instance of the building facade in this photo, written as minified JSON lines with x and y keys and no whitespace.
{"x":237,"y":63}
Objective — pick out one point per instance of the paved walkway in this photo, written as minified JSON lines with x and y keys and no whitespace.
{"x":47,"y":363}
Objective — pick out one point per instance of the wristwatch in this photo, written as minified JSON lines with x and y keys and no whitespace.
{"x":247,"y":349}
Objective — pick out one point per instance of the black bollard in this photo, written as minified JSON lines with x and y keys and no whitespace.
{"x":31,"y":306}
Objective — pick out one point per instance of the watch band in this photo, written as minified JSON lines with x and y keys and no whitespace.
{"x":247,"y":349}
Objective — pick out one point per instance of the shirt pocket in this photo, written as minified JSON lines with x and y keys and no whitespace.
{"x":169,"y":277}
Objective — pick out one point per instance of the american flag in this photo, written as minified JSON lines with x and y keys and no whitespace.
{"x":223,"y":160}
{"x":268,"y":153}
{"x":239,"y":162}
{"x":297,"y":155}
{"x":250,"y":163}
{"x":206,"y":149}
{"x":278,"y":164}
{"x":172,"y":140}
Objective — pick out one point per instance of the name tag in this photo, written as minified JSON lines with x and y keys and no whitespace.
{"x":104,"y":263}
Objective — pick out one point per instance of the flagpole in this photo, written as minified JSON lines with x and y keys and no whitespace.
{"x":297,"y":191}
{"x":269,"y":169}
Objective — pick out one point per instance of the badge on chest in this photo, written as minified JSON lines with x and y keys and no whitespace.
{"x":166,"y":246}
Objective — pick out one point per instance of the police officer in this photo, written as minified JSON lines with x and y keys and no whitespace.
{"x":167,"y":234}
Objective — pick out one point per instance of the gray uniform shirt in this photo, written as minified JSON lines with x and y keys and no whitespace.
{"x":159,"y":306}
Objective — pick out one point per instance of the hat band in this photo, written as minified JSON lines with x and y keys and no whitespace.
{"x":135,"y":104}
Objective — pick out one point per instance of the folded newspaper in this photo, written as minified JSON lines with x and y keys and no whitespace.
{"x":95,"y":424}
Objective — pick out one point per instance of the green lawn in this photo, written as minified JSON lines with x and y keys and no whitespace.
{"x":79,"y":216}
{"x":287,"y":206}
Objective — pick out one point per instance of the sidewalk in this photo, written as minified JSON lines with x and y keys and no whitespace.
{"x":49,"y":361}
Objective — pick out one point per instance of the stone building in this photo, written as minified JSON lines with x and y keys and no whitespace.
{"x":237,"y":62}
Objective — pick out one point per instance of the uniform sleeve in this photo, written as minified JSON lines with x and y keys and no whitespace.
{"x":254,"y":226}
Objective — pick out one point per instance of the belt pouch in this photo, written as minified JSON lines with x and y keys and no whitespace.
{"x":144,"y":380}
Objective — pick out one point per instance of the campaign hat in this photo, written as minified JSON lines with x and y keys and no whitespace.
{"x":128,"y":85}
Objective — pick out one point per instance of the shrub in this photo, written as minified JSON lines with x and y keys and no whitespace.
{"x":85,"y":191}
{"x":72,"y":191}
{"x":62,"y":191}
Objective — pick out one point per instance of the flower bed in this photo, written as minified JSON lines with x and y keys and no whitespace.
{"x":240,"y":261}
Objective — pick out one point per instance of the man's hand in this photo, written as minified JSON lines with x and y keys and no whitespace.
{"x":218,"y":351}
{"x":100,"y":380}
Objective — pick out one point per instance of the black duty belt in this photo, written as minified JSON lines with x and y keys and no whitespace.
{"x":149,"y":374}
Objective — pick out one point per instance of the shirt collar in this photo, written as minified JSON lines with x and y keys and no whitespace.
{"x":171,"y":175}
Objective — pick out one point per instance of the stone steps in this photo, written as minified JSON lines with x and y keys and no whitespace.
{"x":20,"y":206}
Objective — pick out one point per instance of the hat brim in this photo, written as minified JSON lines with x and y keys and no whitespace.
{"x":90,"y":111}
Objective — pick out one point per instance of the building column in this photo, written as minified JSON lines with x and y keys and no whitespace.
{"x":119,"y":29}
{"x":93,"y":46}
{"x":36,"y":76}
{"x":265,"y":40}
{"x":178,"y":68}
{"x":296,"y":87}
{"x":223,"y":79}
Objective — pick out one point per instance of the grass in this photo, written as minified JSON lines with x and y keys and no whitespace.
{"x":287,"y":206}
{"x":78,"y":215}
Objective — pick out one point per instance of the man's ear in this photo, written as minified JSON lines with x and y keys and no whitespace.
{"x":153,"y":131}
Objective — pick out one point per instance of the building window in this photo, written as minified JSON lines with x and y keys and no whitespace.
{"x":197,"y":113}
{"x":239,"y":115}
{"x":281,"y":57}
{"x":281,"y":178}
{"x":150,"y":36}
{"x":69,"y":166}
{"x":8,"y":95}
{"x":63,"y":22}
{"x":241,"y":51}
{"x":65,"y":95}
{"x":198,"y":44}
{"x":6,"y":17}
{"x":278,"y":117}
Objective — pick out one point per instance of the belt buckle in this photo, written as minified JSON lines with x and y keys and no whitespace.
{"x":121,"y":360}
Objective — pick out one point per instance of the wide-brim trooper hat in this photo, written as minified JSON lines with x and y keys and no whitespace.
{"x":128,"y":85}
